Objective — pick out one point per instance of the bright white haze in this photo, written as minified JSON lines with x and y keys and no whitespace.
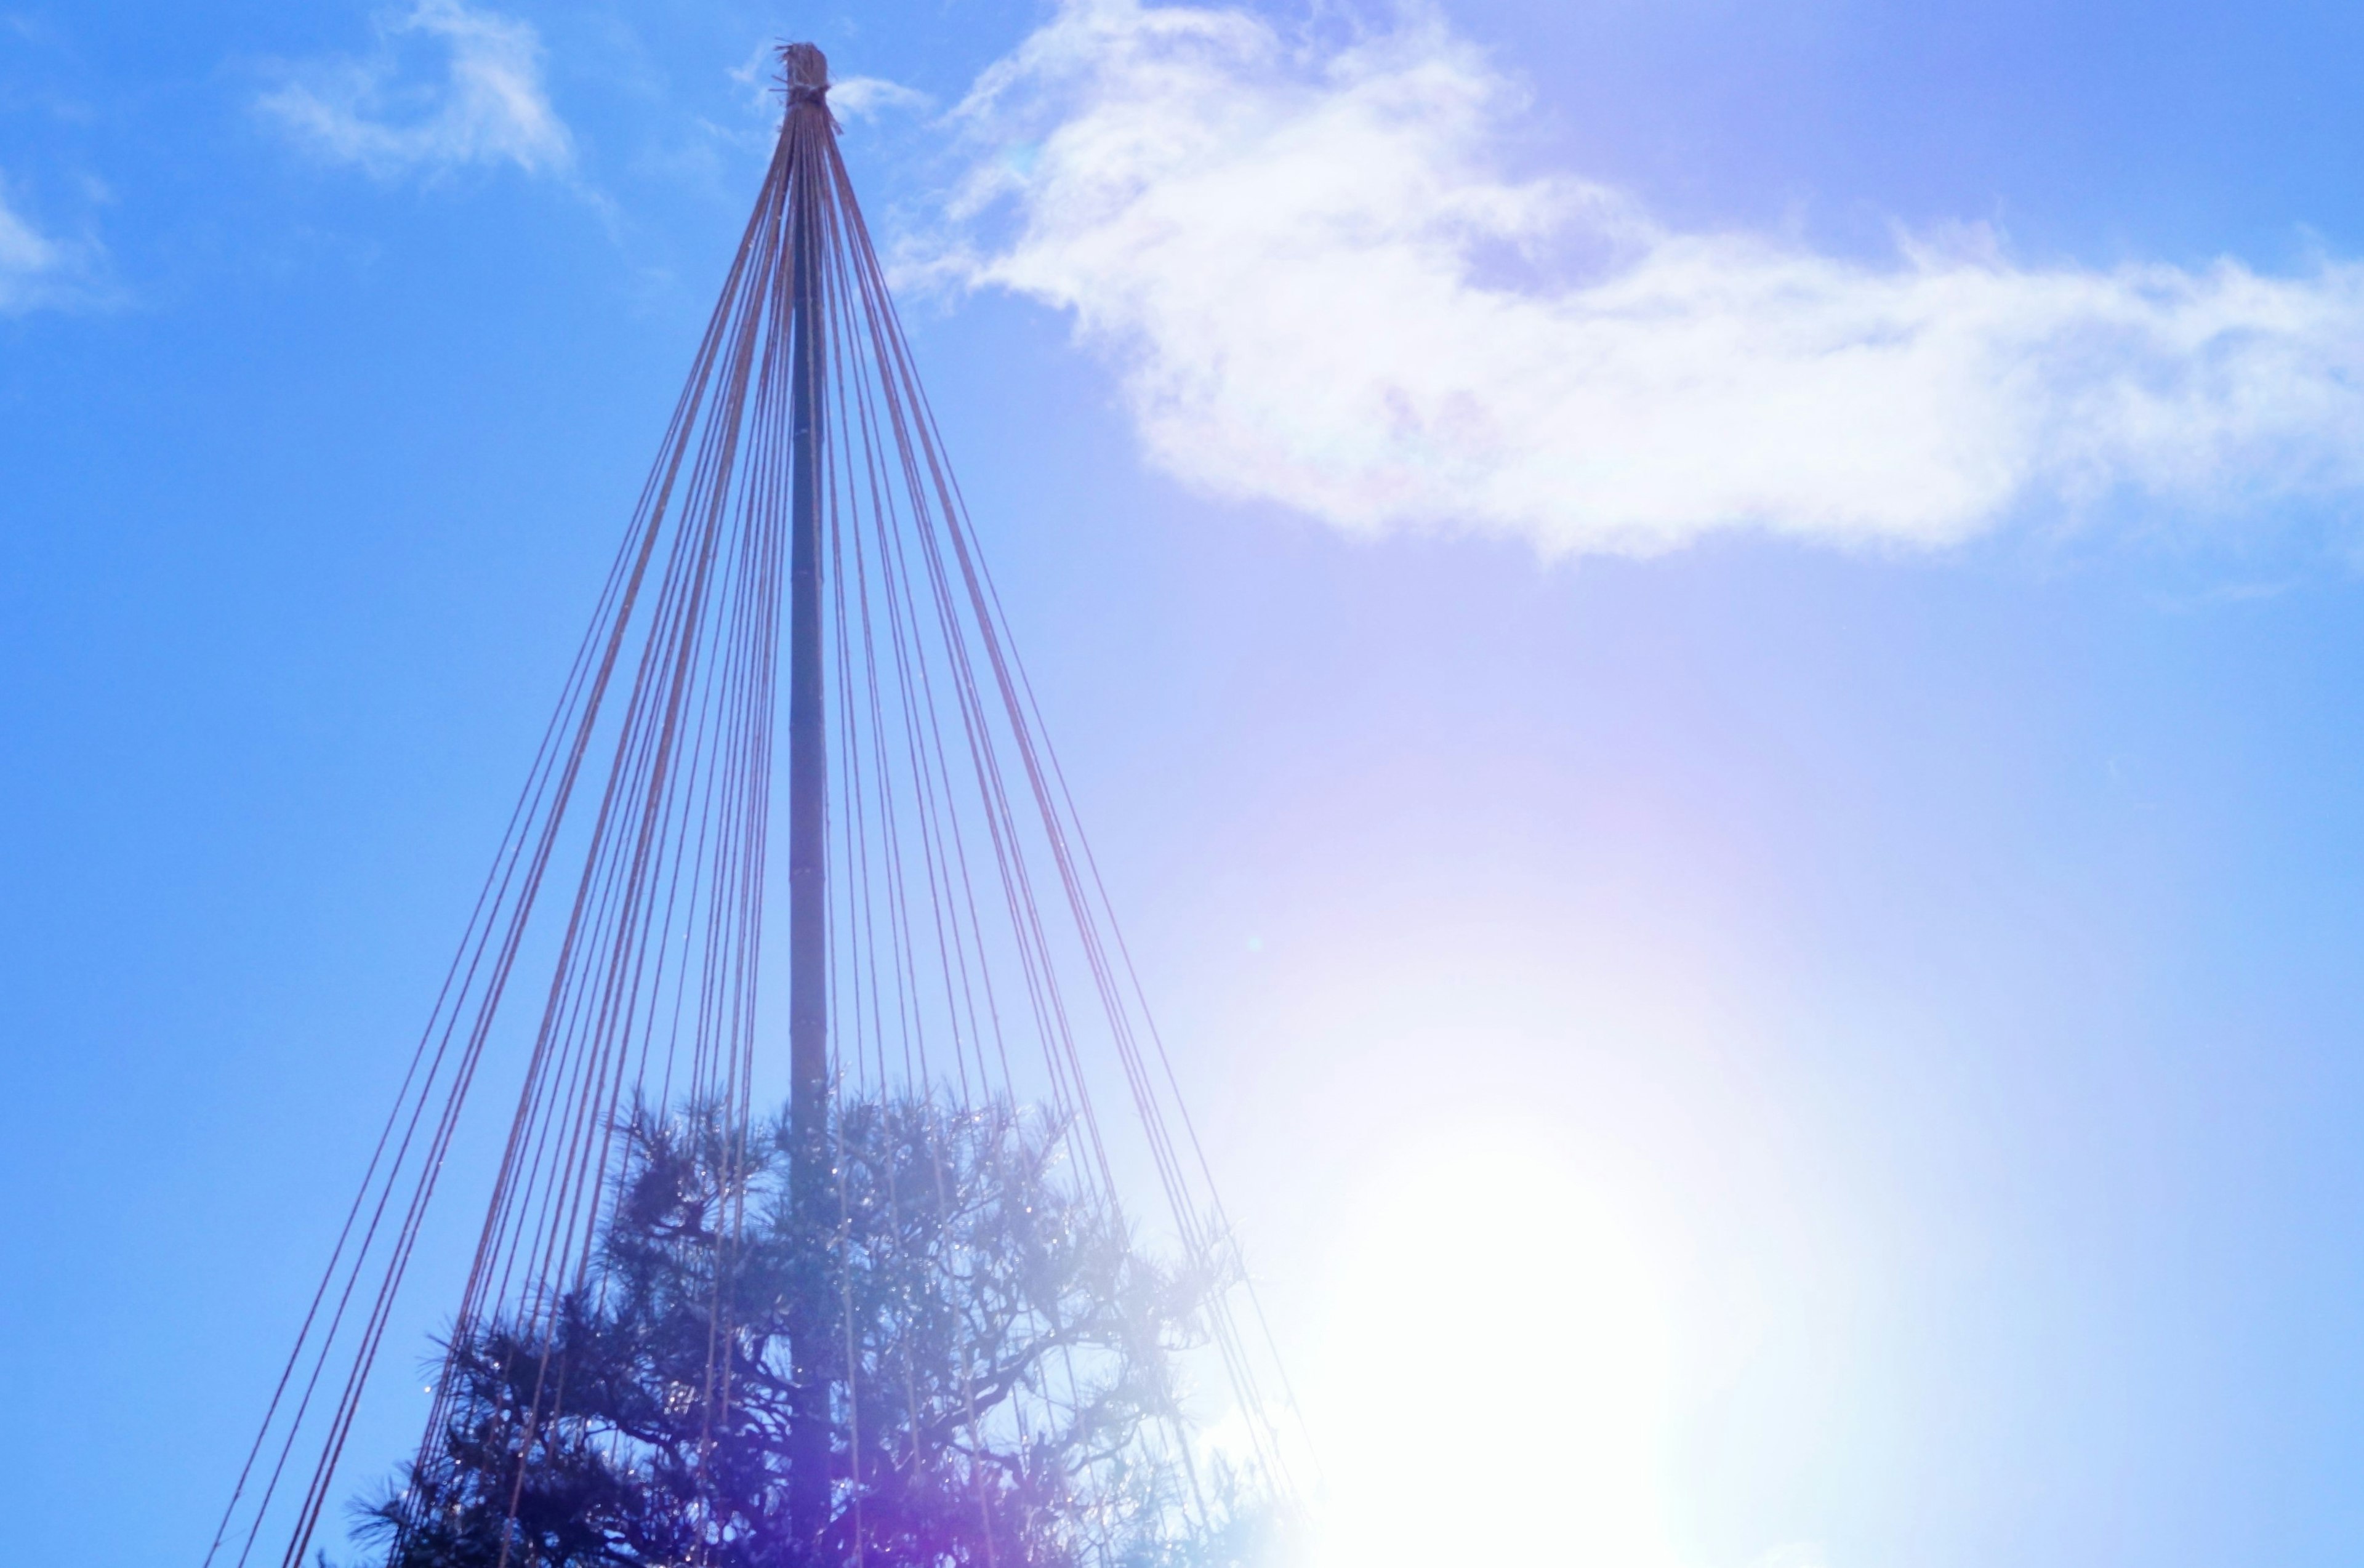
{"x":1491,"y":1385}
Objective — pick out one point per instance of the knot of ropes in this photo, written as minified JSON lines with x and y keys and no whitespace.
{"x":806,"y":72}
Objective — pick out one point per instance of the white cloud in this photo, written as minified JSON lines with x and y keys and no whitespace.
{"x":39,"y":270}
{"x":858,"y":97}
{"x":489,"y":104}
{"x":1298,"y":259}
{"x":24,"y":251}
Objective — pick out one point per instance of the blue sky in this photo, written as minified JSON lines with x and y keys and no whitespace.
{"x":1729,"y":634}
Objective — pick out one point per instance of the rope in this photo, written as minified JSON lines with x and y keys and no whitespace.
{"x":973,"y":961}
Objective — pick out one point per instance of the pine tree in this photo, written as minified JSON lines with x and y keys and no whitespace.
{"x":1002,"y":1383}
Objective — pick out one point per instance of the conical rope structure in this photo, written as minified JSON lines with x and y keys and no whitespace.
{"x":952,"y":970}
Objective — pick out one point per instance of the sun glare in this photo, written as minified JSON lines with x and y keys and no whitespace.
{"x":1491,"y":1386}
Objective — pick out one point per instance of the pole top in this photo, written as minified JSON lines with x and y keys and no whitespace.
{"x":808,"y":73}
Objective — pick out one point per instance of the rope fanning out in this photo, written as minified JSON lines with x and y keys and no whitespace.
{"x":968,"y":959}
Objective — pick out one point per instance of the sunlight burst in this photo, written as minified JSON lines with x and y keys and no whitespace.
{"x":1492,"y":1383}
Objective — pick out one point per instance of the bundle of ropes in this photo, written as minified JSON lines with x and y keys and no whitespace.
{"x":949,"y":954}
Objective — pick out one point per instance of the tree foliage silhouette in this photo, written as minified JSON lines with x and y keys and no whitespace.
{"x":1002,"y":1379}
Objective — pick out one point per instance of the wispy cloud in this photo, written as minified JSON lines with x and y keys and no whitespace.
{"x":858,"y":97}
{"x":484,"y":103}
{"x":24,"y":252}
{"x":1298,"y":260}
{"x":39,"y":270}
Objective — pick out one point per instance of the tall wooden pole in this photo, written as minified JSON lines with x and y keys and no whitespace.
{"x":808,"y":1438}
